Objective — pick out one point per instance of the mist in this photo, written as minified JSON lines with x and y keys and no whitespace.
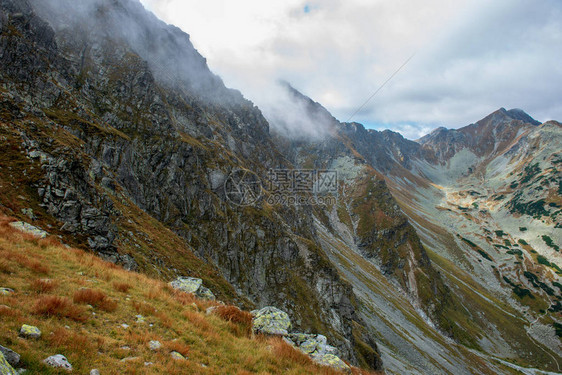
{"x":168,"y":50}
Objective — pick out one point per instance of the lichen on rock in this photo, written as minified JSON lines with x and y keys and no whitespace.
{"x":271,"y":321}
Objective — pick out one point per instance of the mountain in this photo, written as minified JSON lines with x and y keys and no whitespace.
{"x":118,"y":139}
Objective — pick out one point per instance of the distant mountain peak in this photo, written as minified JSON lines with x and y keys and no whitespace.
{"x":513,"y":114}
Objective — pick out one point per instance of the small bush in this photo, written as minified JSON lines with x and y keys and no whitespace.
{"x":144,"y":308}
{"x":53,"y":306}
{"x":43,"y":285}
{"x":234,"y":314}
{"x":96,"y":298}
{"x":122,"y":287}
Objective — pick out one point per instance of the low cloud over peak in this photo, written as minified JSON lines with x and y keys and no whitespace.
{"x":472,"y":57}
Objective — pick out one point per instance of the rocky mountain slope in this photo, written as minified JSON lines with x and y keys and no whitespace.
{"x":65,"y":310}
{"x":118,"y":138}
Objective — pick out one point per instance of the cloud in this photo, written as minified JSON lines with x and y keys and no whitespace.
{"x":472,"y":57}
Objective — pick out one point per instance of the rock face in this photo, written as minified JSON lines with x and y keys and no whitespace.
{"x":58,"y":361}
{"x":30,"y":332}
{"x":271,"y":321}
{"x":192,"y":285}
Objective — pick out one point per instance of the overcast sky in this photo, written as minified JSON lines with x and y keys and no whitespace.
{"x":471,"y":56}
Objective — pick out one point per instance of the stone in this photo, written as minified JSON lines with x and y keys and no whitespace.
{"x":140,"y":319}
{"x":205,"y":293}
{"x":128,"y":359}
{"x":176,"y":355}
{"x":29,"y":213}
{"x":125,"y":326}
{"x":311,"y":344}
{"x":187,"y":284}
{"x":154,"y":345}
{"x":30,"y":332}
{"x":271,"y":321}
{"x":192,"y":285}
{"x":332,"y":361}
{"x":6,"y":291}
{"x":29,"y":229}
{"x":58,"y":361}
{"x":95,"y":372}
{"x":5,"y":367}
{"x":12,"y":357}
{"x":210,"y":310}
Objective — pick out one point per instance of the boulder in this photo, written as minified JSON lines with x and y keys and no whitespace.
{"x":58,"y":361}
{"x":192,"y":285}
{"x":154,"y":345}
{"x":5,"y":367}
{"x":311,"y":344}
{"x":12,"y":357}
{"x":271,"y":321}
{"x":332,"y":361}
{"x":95,"y":371}
{"x":29,"y":229}
{"x":30,"y":332}
{"x":176,"y":355}
{"x":6,"y":291}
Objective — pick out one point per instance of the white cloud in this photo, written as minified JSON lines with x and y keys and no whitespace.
{"x":472,"y":57}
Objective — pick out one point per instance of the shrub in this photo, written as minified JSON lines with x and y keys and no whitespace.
{"x":43,"y":285}
{"x":122,"y":287}
{"x":96,"y":298}
{"x":53,"y":306}
{"x":234,"y":314}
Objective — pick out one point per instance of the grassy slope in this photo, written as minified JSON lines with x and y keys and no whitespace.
{"x":94,"y":338}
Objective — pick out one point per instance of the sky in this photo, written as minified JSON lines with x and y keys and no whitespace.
{"x":470,"y":57}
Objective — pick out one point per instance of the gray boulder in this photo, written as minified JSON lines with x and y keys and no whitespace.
{"x":311,"y":344}
{"x":271,"y":321}
{"x":29,"y":229}
{"x":333,"y":361}
{"x":12,"y":357}
{"x":192,"y":285}
{"x":30,"y":332}
{"x":5,"y":367}
{"x":58,"y":361}
{"x":154,"y":345}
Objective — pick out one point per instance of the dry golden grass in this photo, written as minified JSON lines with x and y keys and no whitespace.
{"x":62,"y":307}
{"x":122,"y":287}
{"x":96,"y":298}
{"x":219,"y":343}
{"x":43,"y":285}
